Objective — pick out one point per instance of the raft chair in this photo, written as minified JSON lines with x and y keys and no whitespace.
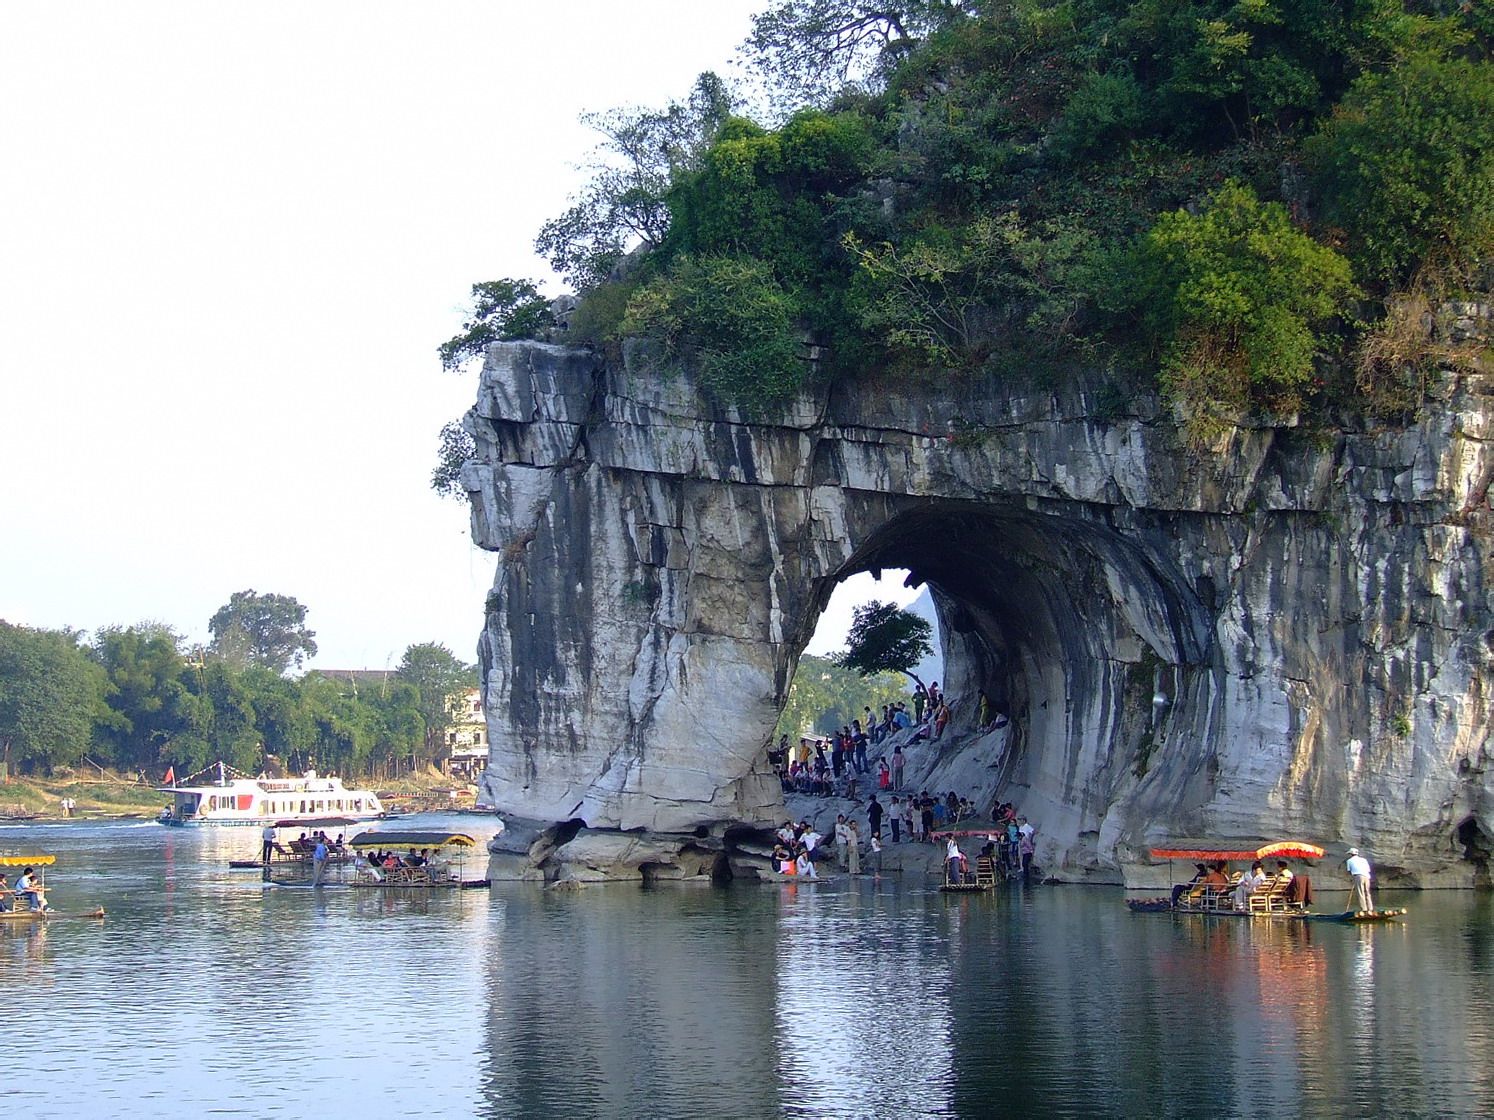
{"x":985,"y":871}
{"x":1270,"y":897}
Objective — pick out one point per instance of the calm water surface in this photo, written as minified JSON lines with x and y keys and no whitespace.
{"x":204,"y":993}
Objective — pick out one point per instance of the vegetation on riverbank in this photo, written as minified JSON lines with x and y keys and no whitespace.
{"x":1238,"y":200}
{"x":137,"y":700}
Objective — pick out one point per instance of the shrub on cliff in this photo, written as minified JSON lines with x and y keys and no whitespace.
{"x":1406,"y":164}
{"x":728,"y":319}
{"x":501,"y":310}
{"x":947,"y":297}
{"x":1237,"y":299}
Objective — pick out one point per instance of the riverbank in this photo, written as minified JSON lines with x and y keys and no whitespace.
{"x":106,"y":795}
{"x":101,"y":796}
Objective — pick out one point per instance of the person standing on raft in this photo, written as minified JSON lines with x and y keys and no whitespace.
{"x":1359,"y":871}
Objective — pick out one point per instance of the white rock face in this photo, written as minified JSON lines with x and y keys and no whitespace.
{"x":1317,"y":617}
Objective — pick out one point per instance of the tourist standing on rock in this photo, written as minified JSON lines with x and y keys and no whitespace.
{"x":925,"y":817}
{"x":876,"y":855}
{"x":874,"y":816}
{"x":895,"y":818}
{"x":842,"y":837}
{"x":898,"y":762}
{"x":920,"y":701}
{"x":1359,"y":871}
{"x":941,"y":719}
{"x":853,"y":848}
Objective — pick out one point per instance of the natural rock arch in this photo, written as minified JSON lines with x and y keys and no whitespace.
{"x":1312,"y":616}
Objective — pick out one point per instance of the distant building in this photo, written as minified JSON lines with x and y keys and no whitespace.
{"x":467,"y":738}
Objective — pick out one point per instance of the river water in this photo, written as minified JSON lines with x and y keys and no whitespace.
{"x":205,"y":993}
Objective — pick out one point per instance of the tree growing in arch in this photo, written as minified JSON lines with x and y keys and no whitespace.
{"x":884,"y":638}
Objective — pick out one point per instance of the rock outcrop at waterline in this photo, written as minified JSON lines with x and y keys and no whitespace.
{"x":1284,"y":635}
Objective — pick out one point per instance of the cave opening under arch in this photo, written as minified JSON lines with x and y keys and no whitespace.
{"x":1096,"y":649}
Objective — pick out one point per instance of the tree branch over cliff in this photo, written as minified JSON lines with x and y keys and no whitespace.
{"x":886,"y":638}
{"x":807,"y":51}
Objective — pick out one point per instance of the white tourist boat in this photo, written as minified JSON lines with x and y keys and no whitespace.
{"x":236,"y":798}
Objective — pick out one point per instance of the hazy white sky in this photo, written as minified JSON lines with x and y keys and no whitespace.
{"x":231,"y":237}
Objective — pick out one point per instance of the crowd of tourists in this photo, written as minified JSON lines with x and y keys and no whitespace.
{"x":846,"y":764}
{"x":921,"y":818}
{"x":840,"y":764}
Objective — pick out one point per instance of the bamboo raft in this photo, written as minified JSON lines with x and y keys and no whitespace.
{"x":25,"y":914}
{"x":984,"y":880}
{"x":19,"y":910}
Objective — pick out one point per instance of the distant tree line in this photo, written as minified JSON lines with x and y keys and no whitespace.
{"x":826,"y":695}
{"x":137,"y":698}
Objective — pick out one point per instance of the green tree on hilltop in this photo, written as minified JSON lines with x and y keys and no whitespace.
{"x":625,"y":202}
{"x":1239,"y":299}
{"x":808,"y":51}
{"x":1406,"y":164}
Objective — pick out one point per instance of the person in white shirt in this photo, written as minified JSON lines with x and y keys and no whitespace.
{"x":842,"y":838}
{"x":1248,"y":884}
{"x":1359,"y":870}
{"x":805,"y":866}
{"x":953,"y":858}
{"x":29,"y":887}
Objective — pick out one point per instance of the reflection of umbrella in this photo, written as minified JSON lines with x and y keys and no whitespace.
{"x":1239,"y":850}
{"x":319,"y":822}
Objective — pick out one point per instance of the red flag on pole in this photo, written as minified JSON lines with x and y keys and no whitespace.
{"x":170,"y":776}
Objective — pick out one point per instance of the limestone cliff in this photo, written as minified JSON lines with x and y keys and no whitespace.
{"x":1314,"y":616}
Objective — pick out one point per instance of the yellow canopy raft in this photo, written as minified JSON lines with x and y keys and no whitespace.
{"x":15,"y":908}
